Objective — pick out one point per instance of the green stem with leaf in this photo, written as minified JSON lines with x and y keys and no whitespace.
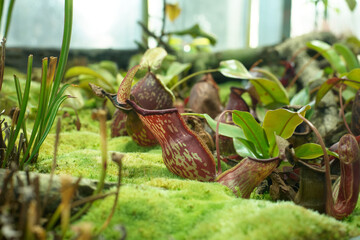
{"x":191,"y":76}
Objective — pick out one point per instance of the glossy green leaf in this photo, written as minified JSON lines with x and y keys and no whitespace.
{"x":348,"y":56}
{"x":329,"y":54}
{"x":253,"y":131}
{"x":245,"y":148}
{"x":281,"y":122}
{"x":311,"y":151}
{"x":353,"y":75}
{"x":270,"y":93}
{"x":234,"y":69}
{"x":325,"y":87}
{"x":224,"y":129}
{"x":268,"y":75}
{"x":301,"y":98}
{"x":153,"y":58}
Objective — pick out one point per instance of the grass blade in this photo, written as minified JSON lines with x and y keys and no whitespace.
{"x":8,"y":17}
{"x":64,"y":48}
{"x":1,"y":10}
{"x":51,"y":120}
{"x":23,"y":106}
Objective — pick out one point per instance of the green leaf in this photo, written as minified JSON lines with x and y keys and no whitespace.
{"x":224,"y":129}
{"x":281,"y":122}
{"x":311,"y":151}
{"x":51,"y":118}
{"x":351,"y":4}
{"x":301,"y":98}
{"x":234,"y":69}
{"x":153,"y":58}
{"x":253,"y":131}
{"x":348,"y":56}
{"x":353,"y":75}
{"x":329,"y":54}
{"x":195,"y":31}
{"x":325,"y":87}
{"x":65,"y":47}
{"x":80,"y":70}
{"x":21,"y":116}
{"x":268,"y":75}
{"x":270,"y":93}
{"x":245,"y":148}
{"x":172,"y":73}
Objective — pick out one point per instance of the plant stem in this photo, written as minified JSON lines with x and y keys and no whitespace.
{"x":1,"y":10}
{"x":53,"y":166}
{"x":293,"y":81}
{"x":191,"y":76}
{"x":103,"y":144}
{"x":117,"y":158}
{"x":8,"y":17}
{"x":145,"y":20}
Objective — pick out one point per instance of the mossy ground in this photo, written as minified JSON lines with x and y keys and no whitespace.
{"x":156,"y":204}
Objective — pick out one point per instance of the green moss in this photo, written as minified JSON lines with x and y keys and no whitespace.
{"x":68,"y":123}
{"x":125,"y":144}
{"x":156,"y":204}
{"x":192,"y":210}
{"x":79,"y":155}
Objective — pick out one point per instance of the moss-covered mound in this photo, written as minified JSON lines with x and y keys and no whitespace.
{"x":155,"y":204}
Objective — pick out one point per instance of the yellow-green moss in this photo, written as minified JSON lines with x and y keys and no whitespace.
{"x":193,"y":210}
{"x":79,"y":155}
{"x":156,"y":204}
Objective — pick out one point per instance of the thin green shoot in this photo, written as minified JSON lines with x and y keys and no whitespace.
{"x":191,"y":76}
{"x":23,"y":106}
{"x":8,"y":17}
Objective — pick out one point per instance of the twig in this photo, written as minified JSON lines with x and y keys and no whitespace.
{"x":53,"y":166}
{"x":117,"y":158}
{"x":302,"y":70}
